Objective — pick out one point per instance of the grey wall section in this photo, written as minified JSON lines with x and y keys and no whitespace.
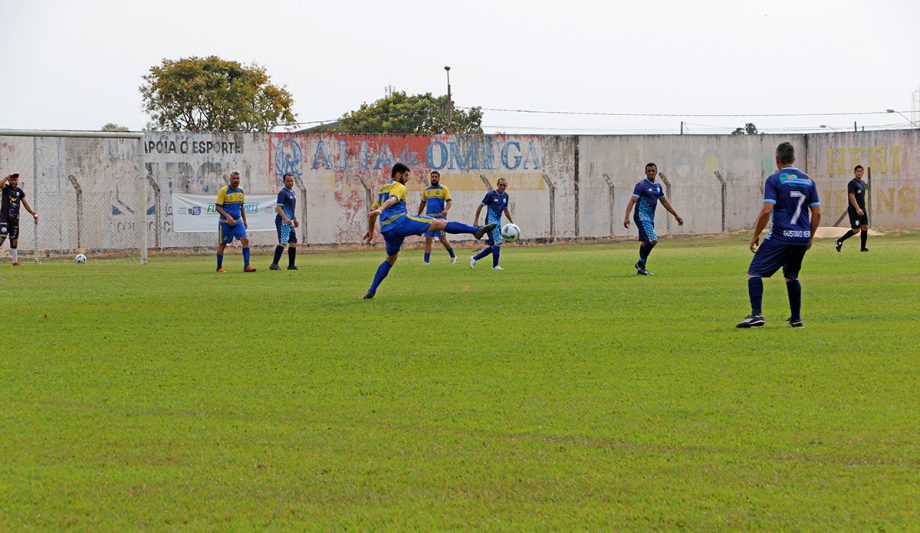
{"x":560,"y":186}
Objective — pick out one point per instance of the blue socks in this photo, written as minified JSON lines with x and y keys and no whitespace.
{"x":451,"y":252}
{"x":278,"y":251}
{"x":755,"y":291}
{"x":220,"y":260}
{"x":427,"y":256}
{"x":382,"y":272}
{"x":644,"y":250}
{"x":486,"y":251}
{"x":794,"y":289}
{"x":496,"y":251}
{"x":292,"y":255}
{"x":457,"y":227}
{"x":246,"y":256}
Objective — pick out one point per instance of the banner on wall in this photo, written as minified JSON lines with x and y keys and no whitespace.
{"x":196,"y":212}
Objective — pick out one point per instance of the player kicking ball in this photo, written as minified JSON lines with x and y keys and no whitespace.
{"x":396,"y":223}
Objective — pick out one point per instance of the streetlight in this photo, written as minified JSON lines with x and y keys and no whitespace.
{"x":450,"y":103}
{"x":912,"y":123}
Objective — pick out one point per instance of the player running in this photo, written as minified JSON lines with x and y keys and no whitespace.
{"x":856,"y":208}
{"x":396,"y":223}
{"x":436,"y":203}
{"x":647,"y":193}
{"x":13,"y":197}
{"x":786,"y":195}
{"x":286,"y":224}
{"x":496,"y":204}
{"x":232,"y":223}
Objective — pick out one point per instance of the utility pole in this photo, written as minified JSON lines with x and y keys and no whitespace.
{"x":450,"y":102}
{"x":681,"y":127}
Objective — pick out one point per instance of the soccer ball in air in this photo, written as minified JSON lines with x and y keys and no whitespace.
{"x":511,"y":233}
{"x":80,"y":258}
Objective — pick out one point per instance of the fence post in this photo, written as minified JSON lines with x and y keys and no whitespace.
{"x":611,"y":200}
{"x":156,"y":208}
{"x":868,"y":195}
{"x":722,"y":181}
{"x":552,"y":207}
{"x":76,"y":186}
{"x":667,"y":192}
{"x":303,"y":209}
{"x":35,"y":195}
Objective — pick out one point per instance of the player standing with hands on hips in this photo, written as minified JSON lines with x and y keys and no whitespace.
{"x":647,"y":193}
{"x":790,"y":198}
{"x":13,"y":197}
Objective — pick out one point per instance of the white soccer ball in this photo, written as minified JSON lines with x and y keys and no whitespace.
{"x":80,"y":258}
{"x":511,"y":233}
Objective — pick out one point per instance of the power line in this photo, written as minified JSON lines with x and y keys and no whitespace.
{"x":677,"y":115}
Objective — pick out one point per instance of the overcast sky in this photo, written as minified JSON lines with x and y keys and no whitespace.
{"x":78,"y":65}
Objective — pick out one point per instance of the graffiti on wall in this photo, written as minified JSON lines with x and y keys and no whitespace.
{"x":842,"y":159}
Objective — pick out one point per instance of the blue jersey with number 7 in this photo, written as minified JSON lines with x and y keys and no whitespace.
{"x":793,"y":193}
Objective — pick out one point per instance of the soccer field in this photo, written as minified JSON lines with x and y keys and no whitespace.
{"x":562,"y":393}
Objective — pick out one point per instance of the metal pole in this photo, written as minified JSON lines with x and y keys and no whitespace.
{"x":35,"y":196}
{"x":450,"y":103}
{"x":142,"y":210}
{"x":303,"y":209}
{"x":611,"y":201}
{"x":667,"y":192}
{"x":552,"y":207}
{"x":76,"y":186}
{"x":868,"y":194}
{"x":722,"y":181}
{"x":157,"y":215}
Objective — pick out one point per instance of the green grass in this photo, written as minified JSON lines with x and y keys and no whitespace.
{"x":562,"y":393}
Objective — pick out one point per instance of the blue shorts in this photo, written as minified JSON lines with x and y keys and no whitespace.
{"x":226,"y":233}
{"x":286,"y":234}
{"x":772,"y":255}
{"x":396,"y":233}
{"x":646,"y":229}
{"x":434,"y":234}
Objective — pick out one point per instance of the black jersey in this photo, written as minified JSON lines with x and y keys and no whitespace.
{"x":858,"y":189}
{"x":12,"y":199}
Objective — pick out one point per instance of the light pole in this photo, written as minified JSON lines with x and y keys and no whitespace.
{"x":912,"y":123}
{"x":450,"y":103}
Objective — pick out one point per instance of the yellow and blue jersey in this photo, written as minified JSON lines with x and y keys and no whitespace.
{"x":436,"y":198}
{"x":396,"y":212}
{"x":231,"y":201}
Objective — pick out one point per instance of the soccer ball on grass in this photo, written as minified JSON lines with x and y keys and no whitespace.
{"x":80,"y":259}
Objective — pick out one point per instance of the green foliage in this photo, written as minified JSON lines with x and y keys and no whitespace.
{"x":400,"y":113}
{"x":212,"y":94}
{"x":748,"y":129}
{"x":564,"y":393}
{"x":111,"y":126}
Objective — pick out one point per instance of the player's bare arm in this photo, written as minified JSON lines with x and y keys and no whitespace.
{"x":815,"y":220}
{"x":284,"y":217}
{"x":629,"y":207}
{"x":446,"y":208}
{"x":855,"y":204}
{"x":421,"y":205}
{"x":230,"y":220}
{"x":761,"y":223}
{"x":6,"y":179}
{"x":667,"y":205}
{"x":28,"y":208}
{"x":508,"y":215}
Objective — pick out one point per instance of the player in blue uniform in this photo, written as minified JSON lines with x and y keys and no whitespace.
{"x":286,"y":224}
{"x":12,"y":198}
{"x":496,"y":204}
{"x":646,"y":195}
{"x":436,"y":203}
{"x":790,"y":198}
{"x":396,"y":223}
{"x":856,"y":208}
{"x":232,"y":223}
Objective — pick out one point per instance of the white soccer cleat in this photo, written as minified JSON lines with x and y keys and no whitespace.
{"x":472,"y":262}
{"x":425,"y":263}
{"x":499,"y":267}
{"x":453,"y":260}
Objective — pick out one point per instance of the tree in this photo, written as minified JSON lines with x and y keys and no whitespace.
{"x":748,"y":129}
{"x":211,"y":94}
{"x":111,"y":126}
{"x":398,"y":112}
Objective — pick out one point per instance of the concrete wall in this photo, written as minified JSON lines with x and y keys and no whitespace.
{"x":576,"y":174}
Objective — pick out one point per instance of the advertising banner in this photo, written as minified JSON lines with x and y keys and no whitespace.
{"x":196,"y":212}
